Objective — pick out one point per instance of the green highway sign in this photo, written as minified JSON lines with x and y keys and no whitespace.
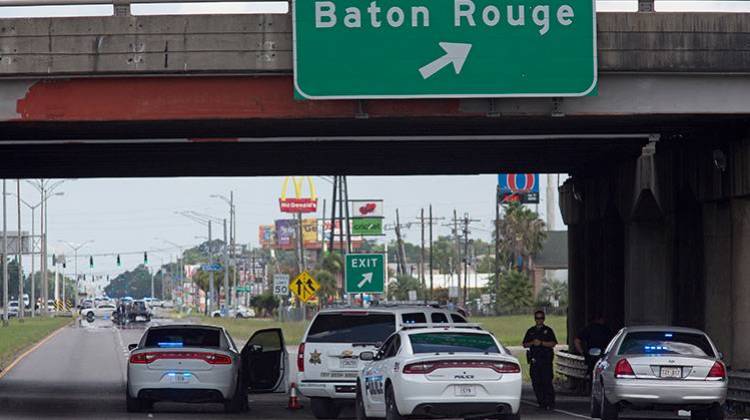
{"x":348,"y":49}
{"x":365,"y":273}
{"x":367,"y":226}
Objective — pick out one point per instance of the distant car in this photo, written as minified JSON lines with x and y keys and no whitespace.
{"x":167,"y":304}
{"x":12,"y":309}
{"x":154,"y":303}
{"x":439,"y":372}
{"x":51,"y":307}
{"x":200,"y":364}
{"x":85,"y":304}
{"x":328,"y":357}
{"x":104,"y":310}
{"x":659,"y":368}
{"x":138,"y":311}
{"x":241,"y":312}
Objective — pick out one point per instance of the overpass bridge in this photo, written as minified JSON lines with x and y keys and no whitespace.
{"x":657,"y":208}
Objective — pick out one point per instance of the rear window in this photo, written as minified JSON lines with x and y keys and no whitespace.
{"x":183,"y":337}
{"x":438,"y":318}
{"x":452,"y":343}
{"x":414,"y":318}
{"x":458,"y":319}
{"x":663,"y":342}
{"x":356,"y":327}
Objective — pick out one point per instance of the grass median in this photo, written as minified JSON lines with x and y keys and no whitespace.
{"x":508,"y":329}
{"x":19,"y":336}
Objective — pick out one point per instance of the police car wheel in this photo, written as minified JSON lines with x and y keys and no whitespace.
{"x":391,"y":410}
{"x":596,"y":405}
{"x":609,"y":411}
{"x":324,"y":408}
{"x":359,"y":405}
{"x":90,"y":317}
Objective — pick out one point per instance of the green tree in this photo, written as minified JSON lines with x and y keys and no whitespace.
{"x":135,"y":283}
{"x":522,"y":233}
{"x":554,"y":290}
{"x":515,"y":292}
{"x":328,"y":284}
{"x":399,"y":288}
{"x":264,"y":304}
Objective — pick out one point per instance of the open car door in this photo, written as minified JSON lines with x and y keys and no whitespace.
{"x":265,"y":362}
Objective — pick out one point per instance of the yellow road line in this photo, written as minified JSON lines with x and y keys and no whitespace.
{"x":27,"y":352}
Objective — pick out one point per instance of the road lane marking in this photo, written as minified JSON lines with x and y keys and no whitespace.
{"x":567,"y":413}
{"x":29,"y":351}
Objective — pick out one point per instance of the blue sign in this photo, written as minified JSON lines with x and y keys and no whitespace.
{"x":211,"y":267}
{"x":522,"y":188}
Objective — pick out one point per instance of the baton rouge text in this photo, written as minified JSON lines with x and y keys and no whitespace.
{"x":465,"y":13}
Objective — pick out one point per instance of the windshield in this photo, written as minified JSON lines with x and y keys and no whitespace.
{"x":358,"y":327}
{"x":449,"y":342}
{"x":183,"y":337}
{"x":666,"y":343}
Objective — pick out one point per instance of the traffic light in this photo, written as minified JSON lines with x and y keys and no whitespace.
{"x":145,"y":258}
{"x":91,"y":262}
{"x":118,"y":260}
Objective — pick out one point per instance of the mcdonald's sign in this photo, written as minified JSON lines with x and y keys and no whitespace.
{"x":298,"y":203}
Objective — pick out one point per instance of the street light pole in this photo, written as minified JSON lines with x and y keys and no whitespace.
{"x":231,"y":298}
{"x":19,"y":253}
{"x":5,"y":257}
{"x":75,"y":249}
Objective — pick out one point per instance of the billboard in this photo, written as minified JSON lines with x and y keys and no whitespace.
{"x":286,"y":233}
{"x":366,"y":208}
{"x":367,"y":226}
{"x":310,"y":232}
{"x":522,"y":188}
{"x":266,"y":236}
{"x":299,"y":203}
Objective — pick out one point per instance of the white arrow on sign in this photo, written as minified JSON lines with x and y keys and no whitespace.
{"x":366,"y":278}
{"x":455,"y":53}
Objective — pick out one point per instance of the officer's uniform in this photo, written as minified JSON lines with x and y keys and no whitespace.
{"x":540,"y":359}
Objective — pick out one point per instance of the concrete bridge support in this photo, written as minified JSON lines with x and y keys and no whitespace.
{"x":664,"y":238}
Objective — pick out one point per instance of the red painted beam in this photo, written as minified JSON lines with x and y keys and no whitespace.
{"x":196,"y":98}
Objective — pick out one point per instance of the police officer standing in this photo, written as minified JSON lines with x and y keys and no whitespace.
{"x":595,"y":335}
{"x":540,"y":341}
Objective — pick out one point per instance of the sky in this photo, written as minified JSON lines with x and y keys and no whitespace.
{"x":133,"y":215}
{"x":282,"y":7}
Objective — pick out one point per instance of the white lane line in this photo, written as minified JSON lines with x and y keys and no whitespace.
{"x":567,"y":413}
{"x":122,"y":363}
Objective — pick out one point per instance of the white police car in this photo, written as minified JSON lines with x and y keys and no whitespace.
{"x":430,"y":371}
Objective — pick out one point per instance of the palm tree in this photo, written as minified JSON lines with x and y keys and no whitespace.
{"x":522,"y":233}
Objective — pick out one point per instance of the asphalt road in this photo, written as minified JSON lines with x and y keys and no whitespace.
{"x":81,"y":373}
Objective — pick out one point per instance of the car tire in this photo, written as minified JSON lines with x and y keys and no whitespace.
{"x":609,"y":411}
{"x":596,"y":406}
{"x":359,"y":405}
{"x":391,"y":409}
{"x":238,"y":402}
{"x":133,"y":405}
{"x":217,"y":316}
{"x":324,"y":408}
{"x":239,"y":316}
{"x":90,"y":317}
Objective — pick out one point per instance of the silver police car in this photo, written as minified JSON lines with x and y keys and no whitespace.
{"x":659,"y":368}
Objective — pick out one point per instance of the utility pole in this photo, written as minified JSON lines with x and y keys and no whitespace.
{"x":421,"y":254}
{"x":211,"y":280}
{"x":458,"y":251}
{"x":226,"y":267}
{"x":466,"y":222}
{"x":431,"y":269}
{"x":497,"y":247}
{"x":19,"y":252}
{"x":346,"y":209}
{"x":400,"y":247}
{"x":333,"y":216}
{"x":5,"y":257}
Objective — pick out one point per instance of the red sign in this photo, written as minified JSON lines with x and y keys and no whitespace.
{"x":298,"y":205}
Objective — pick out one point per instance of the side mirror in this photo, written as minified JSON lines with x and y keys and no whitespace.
{"x":721,"y":356}
{"x":132,"y":347}
{"x":595,"y":352}
{"x":366,"y":356}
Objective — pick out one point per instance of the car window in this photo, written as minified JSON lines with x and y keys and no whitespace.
{"x":183,"y":337}
{"x":612,"y":343}
{"x":438,"y":318}
{"x":452,"y":342}
{"x":386,"y":347}
{"x":392,"y":350}
{"x":355,"y":327}
{"x":667,"y":343}
{"x":414,"y":318}
{"x":458,"y":319}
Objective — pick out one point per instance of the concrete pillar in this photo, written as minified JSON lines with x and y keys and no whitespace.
{"x":717,"y":258}
{"x":740,"y":296}
{"x":648,"y":273}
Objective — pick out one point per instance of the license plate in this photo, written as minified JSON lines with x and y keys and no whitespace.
{"x":465,"y":390}
{"x":348,"y":363}
{"x":179,"y":378}
{"x":670,"y":372}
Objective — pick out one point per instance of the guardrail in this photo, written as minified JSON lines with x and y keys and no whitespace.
{"x":739,"y":387}
{"x":570,"y":365}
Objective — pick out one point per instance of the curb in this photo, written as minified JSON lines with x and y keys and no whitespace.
{"x":23,"y":355}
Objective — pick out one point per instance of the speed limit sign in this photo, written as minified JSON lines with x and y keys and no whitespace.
{"x":281,"y":284}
